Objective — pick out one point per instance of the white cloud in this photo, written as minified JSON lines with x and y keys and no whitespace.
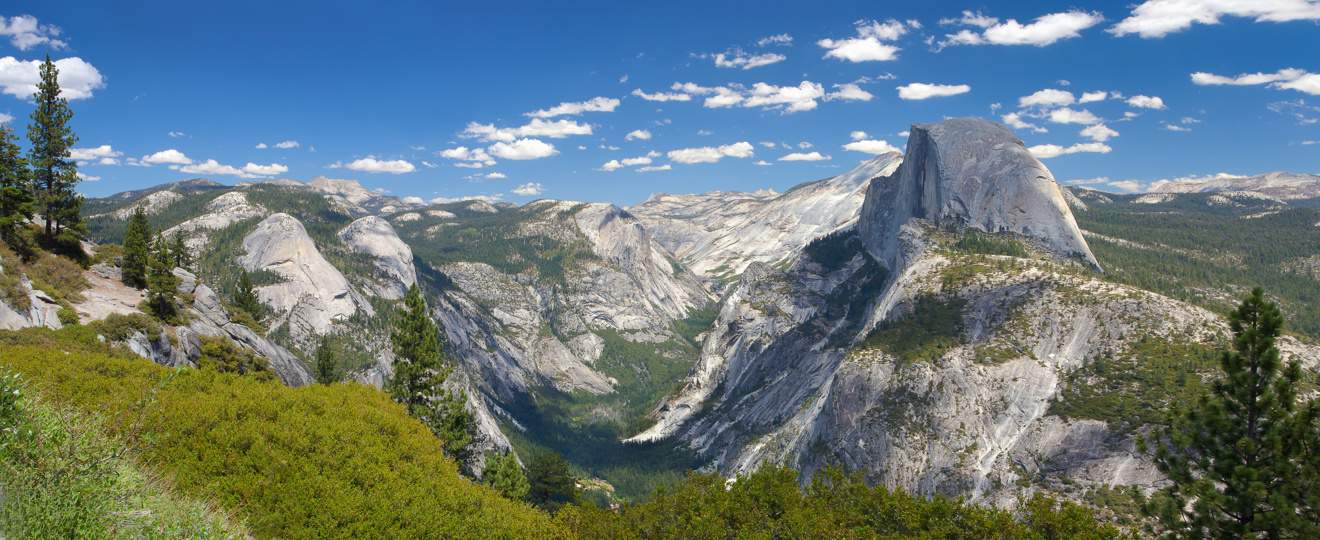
{"x":1069,"y":115}
{"x":471,"y":158}
{"x":857,"y":135}
{"x":87,"y":177}
{"x":664,"y":167}
{"x":661,"y":96}
{"x":738,"y":58}
{"x":1146,"y":102}
{"x":870,"y":146}
{"x":1046,"y":151}
{"x":372,"y":165}
{"x":177,"y":134}
{"x":849,"y":92}
{"x":1045,"y":30}
{"x":1015,"y":121}
{"x":529,"y":189}
{"x":710,"y":154}
{"x":925,"y":91}
{"x":764,"y":163}
{"x":808,"y":156}
{"x":968,"y":18}
{"x":616,"y":164}
{"x":211,"y":167}
{"x":724,"y":97}
{"x":1175,"y":127}
{"x":789,"y":99}
{"x":1159,"y":18}
{"x":1099,"y":133}
{"x":285,"y":145}
{"x":1288,"y":79}
{"x":638,"y":134}
{"x":24,"y":32}
{"x":265,"y":170}
{"x":166,"y":157}
{"x":805,"y":145}
{"x":104,"y":155}
{"x":1129,"y":186}
{"x":868,"y":45}
{"x":554,"y":129}
{"x":596,"y":104}
{"x":523,"y":149}
{"x":77,"y":78}
{"x":1049,"y":97}
{"x":777,"y":39}
{"x":262,"y":146}
{"x":494,"y":176}
{"x":1091,"y":97}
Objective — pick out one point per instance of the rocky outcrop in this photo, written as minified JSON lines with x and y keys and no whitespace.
{"x":153,"y":203}
{"x":1286,"y":186}
{"x":42,"y":310}
{"x":393,"y":258}
{"x":223,"y":211}
{"x":717,"y":235}
{"x":969,"y":173}
{"x":313,"y":294}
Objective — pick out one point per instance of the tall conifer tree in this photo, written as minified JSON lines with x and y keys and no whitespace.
{"x":137,"y":240}
{"x":15,"y":193}
{"x":55,"y":174}
{"x":420,"y":371}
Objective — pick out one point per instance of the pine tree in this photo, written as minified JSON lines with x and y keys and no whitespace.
{"x":137,"y":239}
{"x":505,"y":475}
{"x":161,"y":282}
{"x":182,"y":258}
{"x":420,"y":372}
{"x":15,"y":194}
{"x":550,"y":484}
{"x":326,"y":370}
{"x":55,"y":173}
{"x":1238,"y":458}
{"x":245,"y":295}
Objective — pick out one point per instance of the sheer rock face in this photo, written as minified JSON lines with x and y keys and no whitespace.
{"x":314,"y":294}
{"x":393,"y":258}
{"x":719,"y":234}
{"x":970,"y":173}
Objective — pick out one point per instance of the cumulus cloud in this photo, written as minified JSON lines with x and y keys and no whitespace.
{"x":1159,"y":18}
{"x":808,"y":156}
{"x":849,"y":92}
{"x":1146,"y":102}
{"x":265,"y":170}
{"x":857,"y":135}
{"x":1049,"y":97}
{"x":916,"y":91}
{"x":662,"y":96}
{"x":1099,"y":133}
{"x":870,"y":146}
{"x":1044,"y":30}
{"x":711,"y":154}
{"x":738,"y":58}
{"x":1129,"y":186}
{"x":211,"y":167}
{"x":77,"y":78}
{"x":1046,"y":151}
{"x":523,"y":149}
{"x":777,"y":39}
{"x":24,"y":32}
{"x":87,"y":177}
{"x":1091,"y":97}
{"x":969,"y":18}
{"x":1068,"y":115}
{"x":1286,"y":79}
{"x":529,"y":189}
{"x":1015,"y":121}
{"x":166,"y":157}
{"x":554,"y":129}
{"x":471,"y":158}
{"x":102,"y":155}
{"x":616,"y":164}
{"x":596,"y":104}
{"x":285,"y":145}
{"x":869,"y":43}
{"x":372,"y":165}
{"x":653,"y":168}
{"x":638,"y":135}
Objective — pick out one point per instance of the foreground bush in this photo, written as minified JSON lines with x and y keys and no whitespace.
{"x":325,"y":461}
{"x":63,"y":477}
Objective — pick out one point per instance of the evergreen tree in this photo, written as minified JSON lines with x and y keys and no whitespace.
{"x":550,"y":484}
{"x":505,"y":475}
{"x":420,"y":371}
{"x":161,"y":282}
{"x":55,"y":173}
{"x":245,"y":295}
{"x":182,"y":258}
{"x":15,"y":194}
{"x":326,"y":370}
{"x":137,"y":237}
{"x":1238,"y":458}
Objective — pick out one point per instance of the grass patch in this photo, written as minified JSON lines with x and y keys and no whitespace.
{"x":983,"y":243}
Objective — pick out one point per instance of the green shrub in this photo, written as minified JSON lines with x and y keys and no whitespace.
{"x":67,"y":315}
{"x":117,"y":327}
{"x":63,"y":477}
{"x":323,"y":461}
{"x":974,"y":241}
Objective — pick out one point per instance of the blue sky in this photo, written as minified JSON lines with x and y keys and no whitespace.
{"x":410,"y":97}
